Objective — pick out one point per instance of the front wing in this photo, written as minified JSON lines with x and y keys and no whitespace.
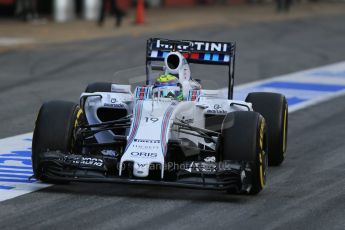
{"x":226,"y":175}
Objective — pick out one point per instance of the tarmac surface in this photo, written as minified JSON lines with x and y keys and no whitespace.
{"x":14,"y":34}
{"x":306,"y":192}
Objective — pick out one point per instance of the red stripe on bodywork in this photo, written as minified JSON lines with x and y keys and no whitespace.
{"x":142,"y":93}
{"x":195,"y":56}
{"x":186,"y":55}
{"x":193,"y":95}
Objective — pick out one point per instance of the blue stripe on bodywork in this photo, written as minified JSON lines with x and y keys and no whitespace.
{"x":165,"y":54}
{"x":303,"y":86}
{"x":215,"y":57}
{"x":207,"y":57}
{"x":227,"y":58}
{"x":160,"y":53}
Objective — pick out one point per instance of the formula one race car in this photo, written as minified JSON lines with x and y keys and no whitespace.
{"x":168,"y":132}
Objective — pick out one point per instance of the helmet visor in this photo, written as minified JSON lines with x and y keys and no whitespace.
{"x":167,"y":92}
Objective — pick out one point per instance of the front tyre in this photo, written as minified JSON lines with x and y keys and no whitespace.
{"x":274,"y":108}
{"x":244,"y":139}
{"x":54,"y":130}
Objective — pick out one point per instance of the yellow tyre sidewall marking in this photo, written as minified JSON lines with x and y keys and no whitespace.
{"x":77,"y":117}
{"x":261,"y":154}
{"x":76,"y":122}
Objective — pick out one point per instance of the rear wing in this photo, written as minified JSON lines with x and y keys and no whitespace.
{"x":198,"y":52}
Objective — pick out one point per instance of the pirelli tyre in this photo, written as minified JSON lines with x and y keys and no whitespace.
{"x":274,"y":108}
{"x":54,"y":130}
{"x":98,"y":87}
{"x":244,"y":139}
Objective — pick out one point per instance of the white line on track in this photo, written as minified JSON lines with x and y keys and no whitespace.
{"x":10,"y":41}
{"x":303,"y":89}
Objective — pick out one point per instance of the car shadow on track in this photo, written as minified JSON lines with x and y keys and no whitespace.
{"x":146,"y":192}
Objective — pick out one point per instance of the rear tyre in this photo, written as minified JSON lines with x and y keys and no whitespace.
{"x":244,"y":139}
{"x":98,"y":87}
{"x":274,"y":108}
{"x":54,"y":130}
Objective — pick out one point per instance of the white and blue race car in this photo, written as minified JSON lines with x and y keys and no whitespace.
{"x":168,"y":132}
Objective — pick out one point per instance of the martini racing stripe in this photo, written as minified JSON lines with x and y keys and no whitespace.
{"x":164,"y":128}
{"x":142,"y":92}
{"x":193,"y":95}
{"x":136,"y":122}
{"x":195,"y":56}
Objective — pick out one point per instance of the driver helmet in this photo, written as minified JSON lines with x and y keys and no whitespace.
{"x":168,"y":86}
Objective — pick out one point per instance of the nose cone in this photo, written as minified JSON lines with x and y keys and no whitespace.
{"x":141,"y":169}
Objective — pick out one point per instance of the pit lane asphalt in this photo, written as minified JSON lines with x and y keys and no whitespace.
{"x":306,"y":192}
